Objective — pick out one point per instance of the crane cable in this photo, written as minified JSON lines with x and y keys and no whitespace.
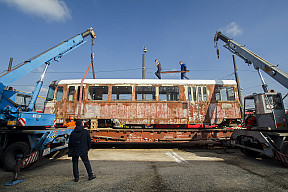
{"x":216,"y":44}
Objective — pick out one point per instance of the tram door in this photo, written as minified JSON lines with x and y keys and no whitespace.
{"x":79,"y":110}
{"x":198,"y":108}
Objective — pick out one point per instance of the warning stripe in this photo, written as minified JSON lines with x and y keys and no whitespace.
{"x":30,"y":159}
{"x":54,"y":123}
{"x":22,"y":121}
{"x":280,"y":156}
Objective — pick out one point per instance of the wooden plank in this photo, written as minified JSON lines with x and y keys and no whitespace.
{"x":174,"y":71}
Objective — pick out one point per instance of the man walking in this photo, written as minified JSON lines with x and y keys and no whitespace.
{"x":80,"y":141}
{"x":159,"y":69}
{"x":183,"y":68}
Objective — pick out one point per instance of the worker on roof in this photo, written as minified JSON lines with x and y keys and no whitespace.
{"x":159,"y":69}
{"x":69,"y":123}
{"x":183,"y":70}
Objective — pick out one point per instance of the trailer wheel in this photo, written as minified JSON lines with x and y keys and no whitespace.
{"x":284,"y":148}
{"x":9,"y":157}
{"x":249,"y":152}
{"x":245,"y":151}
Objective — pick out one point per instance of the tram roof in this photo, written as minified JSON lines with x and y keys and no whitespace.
{"x":147,"y":81}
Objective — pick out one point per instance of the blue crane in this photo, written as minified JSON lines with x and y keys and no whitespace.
{"x":13,"y":114}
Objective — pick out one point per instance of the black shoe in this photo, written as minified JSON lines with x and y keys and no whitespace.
{"x":76,"y":179}
{"x":92,"y":177}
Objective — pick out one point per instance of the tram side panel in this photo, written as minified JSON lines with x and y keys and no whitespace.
{"x":213,"y":105}
{"x":205,"y":106}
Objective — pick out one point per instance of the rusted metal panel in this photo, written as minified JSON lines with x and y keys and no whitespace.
{"x":183,"y":111}
{"x":137,"y":112}
{"x":158,"y":135}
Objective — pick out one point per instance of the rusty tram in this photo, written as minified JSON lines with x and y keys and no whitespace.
{"x":148,"y":110}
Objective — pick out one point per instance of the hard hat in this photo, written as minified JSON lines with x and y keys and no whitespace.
{"x":71,"y":118}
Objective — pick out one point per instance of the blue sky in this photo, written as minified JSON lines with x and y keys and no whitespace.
{"x":172,"y":30}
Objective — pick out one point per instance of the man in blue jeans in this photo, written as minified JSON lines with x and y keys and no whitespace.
{"x":159,"y":69}
{"x":80,"y":140}
{"x":183,"y":68}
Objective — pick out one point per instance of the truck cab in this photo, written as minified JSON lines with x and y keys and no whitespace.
{"x":264,"y":111}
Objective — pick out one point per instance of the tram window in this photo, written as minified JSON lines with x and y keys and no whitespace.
{"x":199,"y":94}
{"x":194,"y":94}
{"x":168,"y":93}
{"x":78,"y":93}
{"x":225,"y":94}
{"x":59,"y":94}
{"x":122,"y":93}
{"x":50,"y":94}
{"x":145,"y":93}
{"x":98,"y":93}
{"x":230,"y":94}
{"x":189,"y":94}
{"x":71,"y":92}
{"x":204,"y":94}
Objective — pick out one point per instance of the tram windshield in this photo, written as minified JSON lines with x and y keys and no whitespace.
{"x":50,"y":94}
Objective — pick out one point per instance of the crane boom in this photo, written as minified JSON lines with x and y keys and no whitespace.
{"x":251,"y":58}
{"x":11,"y":113}
{"x":55,"y":53}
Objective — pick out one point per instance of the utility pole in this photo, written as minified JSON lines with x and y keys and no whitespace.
{"x":10,"y":64}
{"x":143,"y":62}
{"x":238,"y":84}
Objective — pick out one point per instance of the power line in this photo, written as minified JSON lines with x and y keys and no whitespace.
{"x":91,"y":72}
{"x":227,"y":76}
{"x":129,"y":70}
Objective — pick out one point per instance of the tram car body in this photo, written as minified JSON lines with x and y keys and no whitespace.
{"x":145,"y":103}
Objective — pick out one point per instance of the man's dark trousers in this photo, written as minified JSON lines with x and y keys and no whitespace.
{"x":86,"y":163}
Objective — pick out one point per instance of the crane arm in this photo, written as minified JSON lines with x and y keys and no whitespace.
{"x":251,"y":58}
{"x":55,"y":53}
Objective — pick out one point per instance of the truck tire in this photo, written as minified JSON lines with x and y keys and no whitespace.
{"x":245,"y":151}
{"x":9,"y":157}
{"x":284,"y":150}
{"x":249,"y":152}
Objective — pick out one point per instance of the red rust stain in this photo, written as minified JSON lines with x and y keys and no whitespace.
{"x":150,"y":112}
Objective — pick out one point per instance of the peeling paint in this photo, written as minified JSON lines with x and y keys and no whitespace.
{"x":135,"y":112}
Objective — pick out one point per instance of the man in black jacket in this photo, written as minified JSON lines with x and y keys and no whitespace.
{"x":159,"y":69}
{"x":80,"y":139}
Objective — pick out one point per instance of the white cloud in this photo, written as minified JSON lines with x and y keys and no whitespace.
{"x":232,"y":29}
{"x":50,"y":10}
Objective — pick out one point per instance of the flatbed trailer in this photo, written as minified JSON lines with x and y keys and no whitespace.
{"x":15,"y":142}
{"x":159,"y":135}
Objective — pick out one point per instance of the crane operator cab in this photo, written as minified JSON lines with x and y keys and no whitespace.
{"x":264,"y":111}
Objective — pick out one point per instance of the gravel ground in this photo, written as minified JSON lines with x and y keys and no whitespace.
{"x":156,"y":170}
